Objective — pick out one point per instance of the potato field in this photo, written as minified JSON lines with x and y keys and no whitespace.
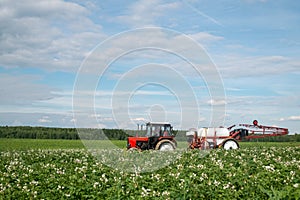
{"x":252,"y":172}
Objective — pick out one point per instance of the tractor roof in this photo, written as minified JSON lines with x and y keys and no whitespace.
{"x":159,"y":123}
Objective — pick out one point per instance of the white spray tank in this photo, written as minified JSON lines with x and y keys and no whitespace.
{"x":211,"y":134}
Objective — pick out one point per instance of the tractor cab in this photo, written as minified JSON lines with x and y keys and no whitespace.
{"x":158,"y":129}
{"x":159,"y":136}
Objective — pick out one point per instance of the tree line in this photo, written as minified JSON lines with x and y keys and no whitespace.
{"x":30,"y":132}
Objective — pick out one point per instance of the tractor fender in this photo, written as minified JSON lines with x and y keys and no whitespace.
{"x":175,"y":143}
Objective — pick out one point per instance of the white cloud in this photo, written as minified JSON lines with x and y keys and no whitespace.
{"x":145,"y":13}
{"x":52,"y":35}
{"x":152,"y":46}
{"x":45,"y":119}
{"x":17,"y":123}
{"x":140,"y":119}
{"x":294,"y":118}
{"x":291,"y":118}
{"x":247,"y":66}
{"x":214,"y":102}
{"x":35,"y":118}
{"x":204,"y":37}
{"x":23,"y":89}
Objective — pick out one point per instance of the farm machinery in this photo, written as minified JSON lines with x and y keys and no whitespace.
{"x":227,"y":138}
{"x":159,"y":136}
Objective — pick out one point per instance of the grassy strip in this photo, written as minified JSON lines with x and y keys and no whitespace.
{"x":26,"y":144}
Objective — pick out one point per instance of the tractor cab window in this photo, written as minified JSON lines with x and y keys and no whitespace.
{"x":149,"y":131}
{"x":158,"y":130}
{"x":167,"y":131}
{"x":153,"y":130}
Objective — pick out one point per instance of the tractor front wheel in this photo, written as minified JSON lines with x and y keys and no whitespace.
{"x":230,"y":144}
{"x":133,"y":149}
{"x":165,"y":145}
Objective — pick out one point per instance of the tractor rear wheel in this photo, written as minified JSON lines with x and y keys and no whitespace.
{"x":230,"y":144}
{"x":165,"y":145}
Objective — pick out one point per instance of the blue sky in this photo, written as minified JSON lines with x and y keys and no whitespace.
{"x":45,"y":47}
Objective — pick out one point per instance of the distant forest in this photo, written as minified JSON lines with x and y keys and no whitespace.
{"x":61,"y":133}
{"x":101,"y":134}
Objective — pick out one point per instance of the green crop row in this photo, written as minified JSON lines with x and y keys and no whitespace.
{"x":247,"y":173}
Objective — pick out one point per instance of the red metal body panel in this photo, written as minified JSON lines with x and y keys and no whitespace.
{"x":132,"y":141}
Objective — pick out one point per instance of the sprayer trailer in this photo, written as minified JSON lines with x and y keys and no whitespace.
{"x":228,"y":138}
{"x":209,"y":138}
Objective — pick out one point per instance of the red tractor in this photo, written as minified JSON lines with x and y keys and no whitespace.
{"x":159,"y":136}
